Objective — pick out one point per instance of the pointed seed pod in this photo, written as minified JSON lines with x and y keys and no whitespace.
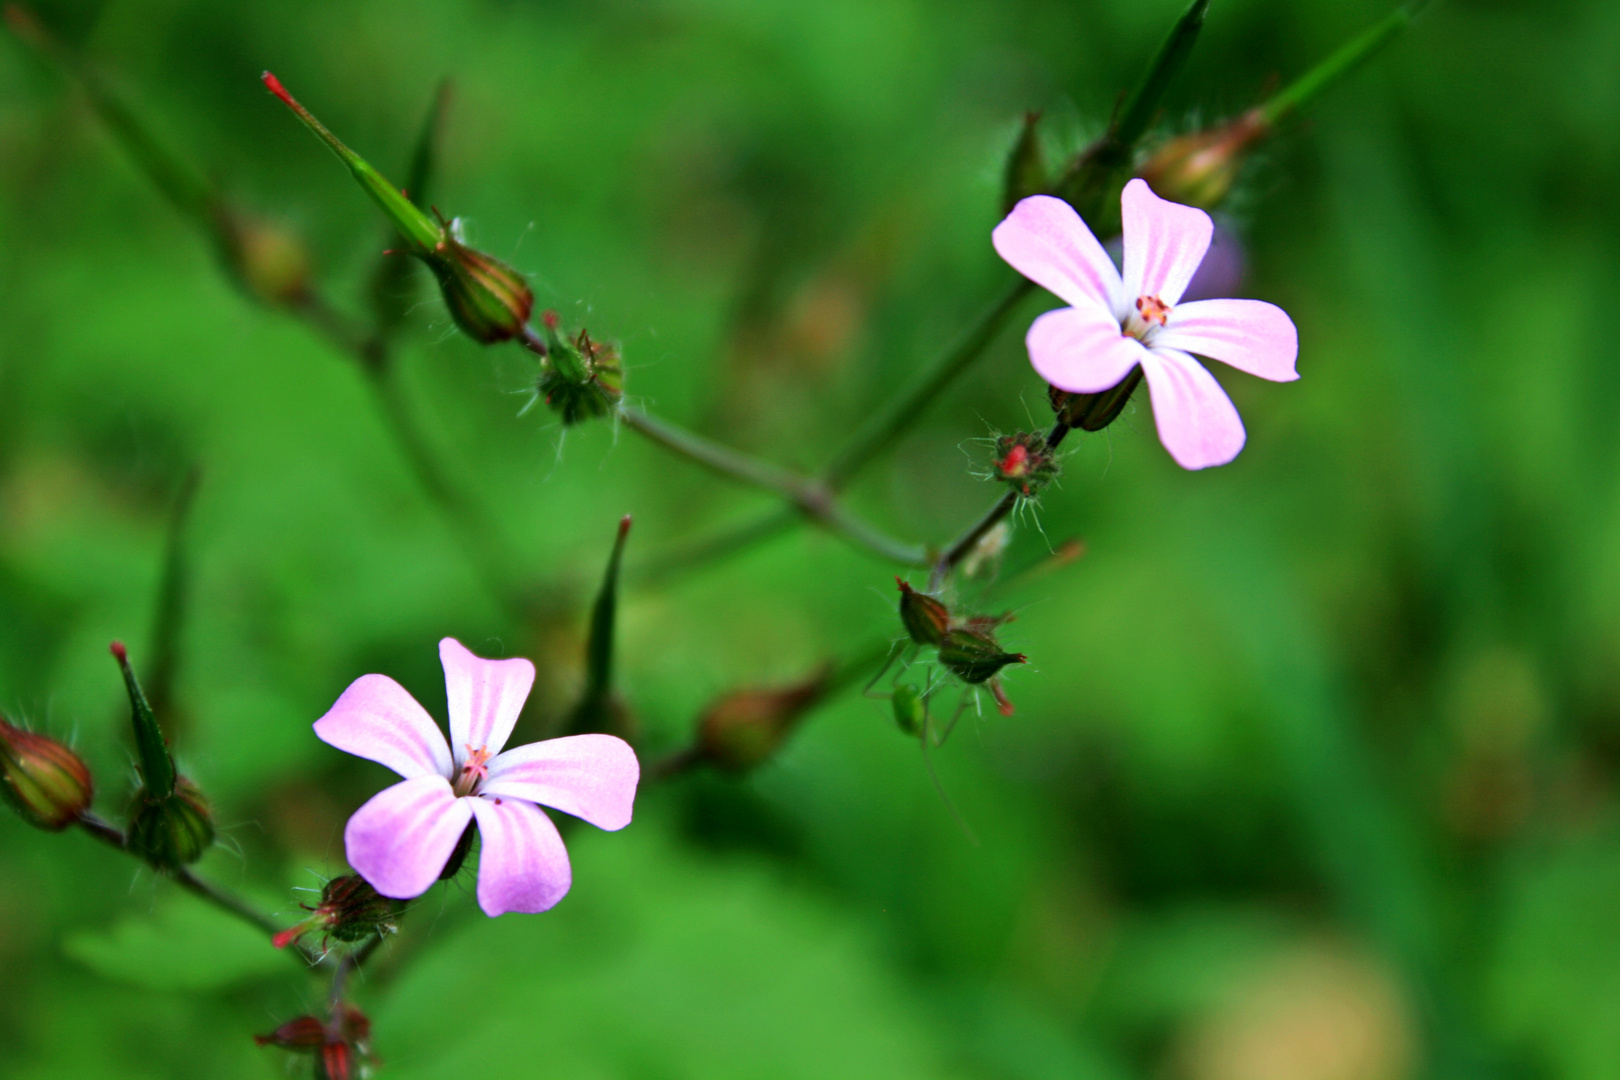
{"x":349,"y":910}
{"x":973,"y":655}
{"x":44,"y":781}
{"x":1199,"y":169}
{"x":925,"y":618}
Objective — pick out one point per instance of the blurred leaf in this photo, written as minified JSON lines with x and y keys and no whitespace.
{"x":184,"y":944}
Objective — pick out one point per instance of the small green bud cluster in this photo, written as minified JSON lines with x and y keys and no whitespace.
{"x":170,"y":826}
{"x":580,"y":378}
{"x":966,"y":645}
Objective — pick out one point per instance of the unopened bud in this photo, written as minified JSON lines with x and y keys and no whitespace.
{"x":745,"y":727}
{"x":580,"y":378}
{"x":270,"y":262}
{"x":910,"y":708}
{"x":338,"y":1046}
{"x":349,"y":910}
{"x":1025,"y":463}
{"x":489,"y":300}
{"x":1093,"y":412}
{"x":972,"y":654}
{"x":1025,"y":174}
{"x":1199,"y":169}
{"x":925,"y":618}
{"x":170,"y":831}
{"x":43,"y":780}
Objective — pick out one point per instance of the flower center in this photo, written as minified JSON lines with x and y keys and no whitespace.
{"x":475,"y":770}
{"x":1150,"y":314}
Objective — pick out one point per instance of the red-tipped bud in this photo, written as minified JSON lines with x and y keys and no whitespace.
{"x":745,"y":727}
{"x":338,"y":1046}
{"x":580,"y":378}
{"x":42,"y":779}
{"x":925,"y":618}
{"x":1199,"y":169}
{"x":1025,"y":463}
{"x":349,"y":910}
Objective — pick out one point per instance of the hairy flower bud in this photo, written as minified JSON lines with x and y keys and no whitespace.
{"x":972,"y":654}
{"x":1025,"y":463}
{"x":489,"y":300}
{"x":745,"y":727}
{"x":42,"y":779}
{"x":925,"y":618}
{"x":1199,"y":169}
{"x":580,"y":378}
{"x":349,"y":910}
{"x":173,"y":830}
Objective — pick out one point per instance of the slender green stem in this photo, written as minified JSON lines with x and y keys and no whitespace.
{"x":171,"y":607}
{"x":226,"y":901}
{"x":1352,"y":55}
{"x":813,"y":499}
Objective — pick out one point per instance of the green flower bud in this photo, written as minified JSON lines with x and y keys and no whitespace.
{"x":1025,"y":463}
{"x":972,"y":654}
{"x":489,"y":300}
{"x":170,"y":831}
{"x":910,"y":709}
{"x":1025,"y":174}
{"x":745,"y":727}
{"x":43,"y":780}
{"x":925,"y":618}
{"x":581,"y":379}
{"x":350,"y":910}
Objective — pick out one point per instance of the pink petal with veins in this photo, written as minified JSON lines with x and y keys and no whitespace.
{"x":523,"y":865}
{"x":1196,"y":420}
{"x":485,"y":697}
{"x":1164,"y":243}
{"x":400,"y":840}
{"x":1081,"y":350}
{"x":376,"y":719}
{"x":1046,"y":241}
{"x":1250,"y":335}
{"x":589,"y":776}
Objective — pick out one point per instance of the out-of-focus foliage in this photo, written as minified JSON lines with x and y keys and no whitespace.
{"x":1313,"y":773}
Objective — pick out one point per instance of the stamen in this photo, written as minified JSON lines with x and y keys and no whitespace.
{"x":473,"y":772}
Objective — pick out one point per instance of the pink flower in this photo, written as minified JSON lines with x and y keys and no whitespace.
{"x":1116,"y":324}
{"x":401,"y":839}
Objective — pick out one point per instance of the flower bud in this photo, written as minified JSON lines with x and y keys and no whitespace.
{"x":745,"y":727}
{"x":300,"y":1033}
{"x":925,"y":618}
{"x":269,"y":262}
{"x":1199,"y":169}
{"x":489,"y":300}
{"x":910,"y":708}
{"x":1093,"y":412}
{"x":170,"y":831}
{"x":43,"y":780}
{"x":1025,"y":174}
{"x":349,"y":910}
{"x":338,"y":1047}
{"x":972,"y":654}
{"x":1025,"y":463}
{"x":581,"y":379}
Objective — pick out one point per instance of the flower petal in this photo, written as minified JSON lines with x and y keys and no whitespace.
{"x":1251,"y":335}
{"x":1045,"y":240}
{"x":522,"y":865}
{"x":377,"y":719}
{"x":590,"y":776}
{"x":1164,"y":243}
{"x":1081,"y":350}
{"x":1197,"y":422}
{"x":485,"y":697}
{"x":400,"y":840}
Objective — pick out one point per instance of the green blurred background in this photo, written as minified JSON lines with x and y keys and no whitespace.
{"x":1313,"y":773}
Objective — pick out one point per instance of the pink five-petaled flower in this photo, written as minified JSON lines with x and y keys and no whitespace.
{"x":1117,"y":323}
{"x":401,"y":839}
